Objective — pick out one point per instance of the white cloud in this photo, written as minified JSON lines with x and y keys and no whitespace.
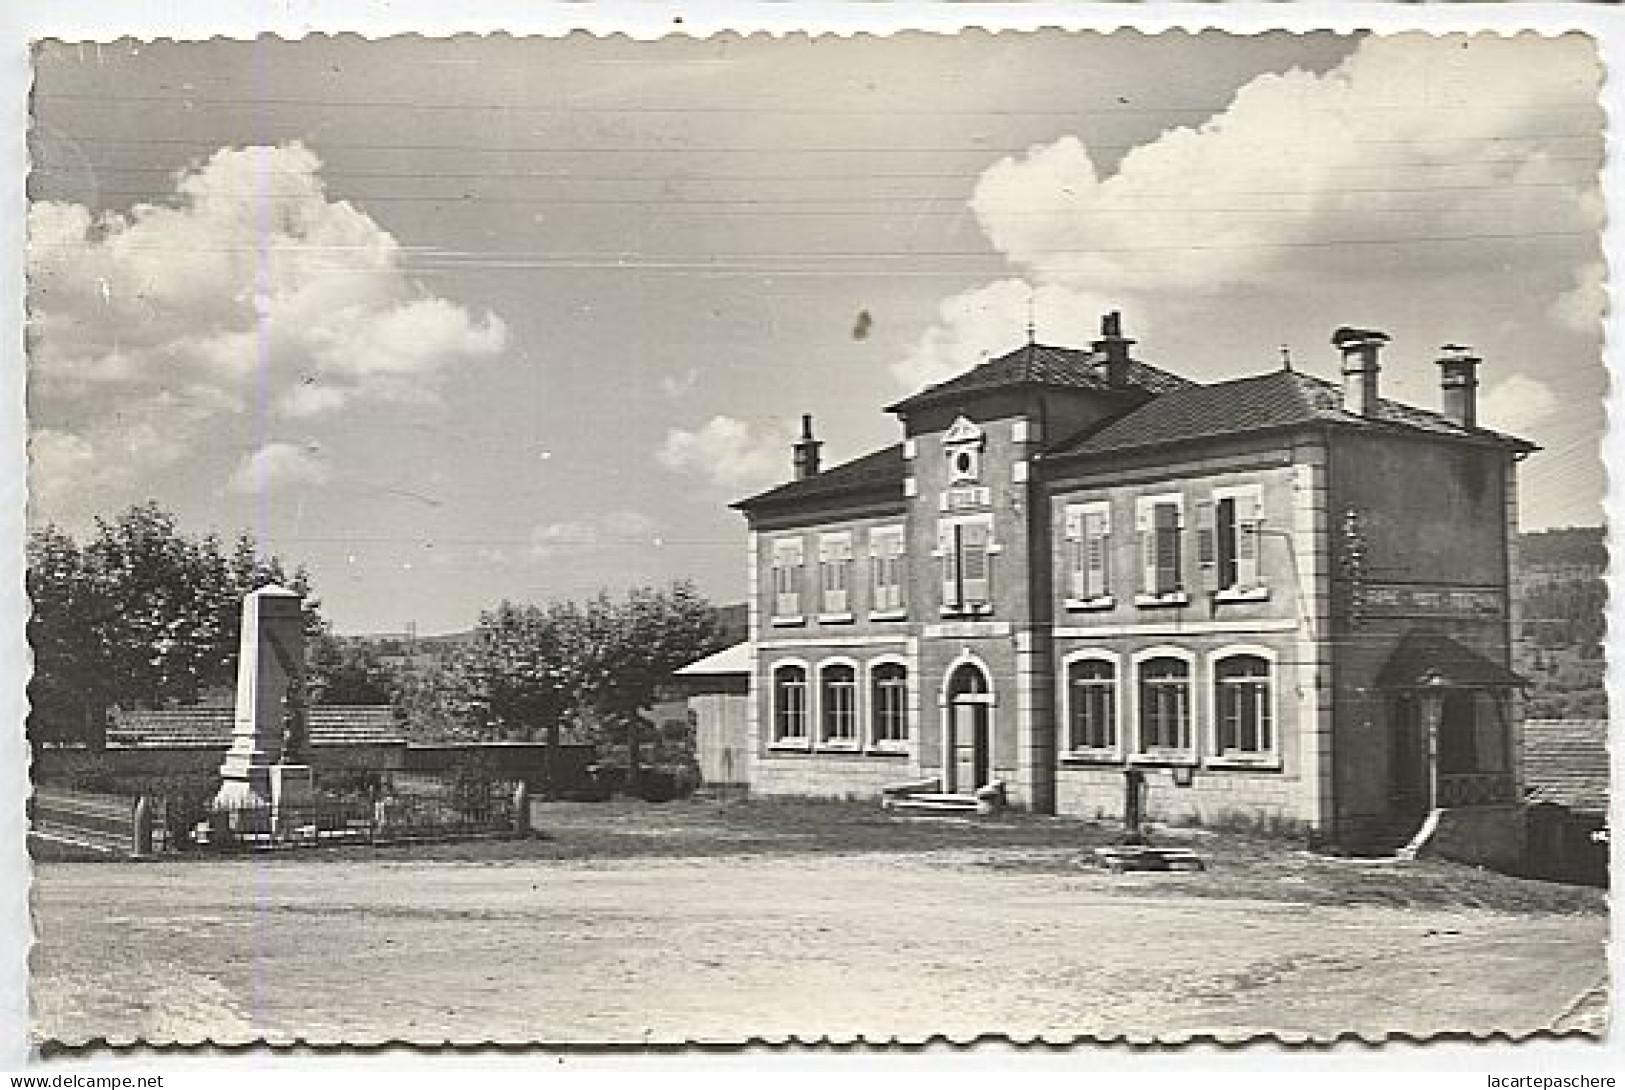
{"x":616,"y":527}
{"x":1413,"y":136}
{"x":279,"y":465}
{"x":978,"y":324}
{"x":1581,"y":308}
{"x":731,"y":454}
{"x":1517,"y":405}
{"x":249,"y":285}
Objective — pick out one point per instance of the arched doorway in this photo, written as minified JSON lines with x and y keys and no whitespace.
{"x":967,"y":744}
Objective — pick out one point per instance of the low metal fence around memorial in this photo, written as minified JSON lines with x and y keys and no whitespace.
{"x":391,"y":819}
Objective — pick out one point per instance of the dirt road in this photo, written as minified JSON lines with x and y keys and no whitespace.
{"x":723,"y":949}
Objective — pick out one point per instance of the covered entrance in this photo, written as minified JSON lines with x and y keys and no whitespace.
{"x":967,"y":744}
{"x":1450,"y":730}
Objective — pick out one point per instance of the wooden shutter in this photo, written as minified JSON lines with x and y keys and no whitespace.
{"x":948,"y":551}
{"x":1077,"y":582}
{"x":835,"y":557}
{"x":1096,"y":559}
{"x":1165,"y":524}
{"x":1209,"y":544}
{"x":973,"y":562}
{"x":787,"y":556}
{"x":1148,"y":549}
{"x":1247,"y":519}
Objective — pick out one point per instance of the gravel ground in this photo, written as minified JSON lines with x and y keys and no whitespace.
{"x":973,"y":936}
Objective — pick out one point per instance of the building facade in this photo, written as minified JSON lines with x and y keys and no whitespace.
{"x":1282,"y":600}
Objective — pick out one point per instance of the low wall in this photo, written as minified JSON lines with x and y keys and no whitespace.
{"x":1485,"y":836}
{"x":1215,"y":797}
{"x":830,"y":776}
{"x":197,"y":761}
{"x":506,"y":760}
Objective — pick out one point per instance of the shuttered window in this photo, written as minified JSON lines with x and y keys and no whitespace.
{"x":886,"y":569}
{"x":1161,"y":527}
{"x":835,"y":572}
{"x":1088,"y":551}
{"x":965,"y":551}
{"x":787,"y":572}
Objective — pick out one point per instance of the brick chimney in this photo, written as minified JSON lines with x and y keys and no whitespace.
{"x":1360,"y":348}
{"x":1458,"y":384}
{"x":1114,"y":346}
{"x":806,"y":450}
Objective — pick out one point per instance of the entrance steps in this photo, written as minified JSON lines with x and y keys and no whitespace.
{"x":927,"y":797}
{"x":932,"y":803}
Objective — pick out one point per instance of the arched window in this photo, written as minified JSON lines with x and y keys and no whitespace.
{"x":1165,"y":705}
{"x":1092,"y":704}
{"x":838,"y":703}
{"x":1243,"y":706}
{"x":790,"y":704}
{"x":888,"y":703}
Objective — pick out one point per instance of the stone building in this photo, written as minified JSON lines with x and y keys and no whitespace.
{"x":1286,"y":601}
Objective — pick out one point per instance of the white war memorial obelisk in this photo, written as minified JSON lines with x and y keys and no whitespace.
{"x":267,"y":765}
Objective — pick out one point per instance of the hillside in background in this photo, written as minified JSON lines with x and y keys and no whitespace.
{"x":1562,"y":596}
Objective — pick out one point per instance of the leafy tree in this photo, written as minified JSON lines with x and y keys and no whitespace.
{"x":602,"y":660}
{"x":140,"y":615}
{"x":345,"y":671}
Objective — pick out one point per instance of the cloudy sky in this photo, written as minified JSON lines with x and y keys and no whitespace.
{"x":453,"y":321}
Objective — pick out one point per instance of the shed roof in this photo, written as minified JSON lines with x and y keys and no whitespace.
{"x":330,"y":725}
{"x":728,"y":661}
{"x":1566,"y":761}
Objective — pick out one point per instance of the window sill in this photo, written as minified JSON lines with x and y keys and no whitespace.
{"x":1162,"y":601}
{"x":1164,"y":758}
{"x":1091,"y":757}
{"x":835,"y":618}
{"x":888,"y":615}
{"x":967,"y":611}
{"x":892,"y":749}
{"x":839,"y":747}
{"x":790,"y":745}
{"x":788,"y":622}
{"x":1082,"y":605}
{"x":1243,"y":594}
{"x":1263,"y":762}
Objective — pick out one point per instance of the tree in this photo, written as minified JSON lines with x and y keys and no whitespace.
{"x":140,"y":615}
{"x":346,"y":671}
{"x":531,"y":666}
{"x":632,"y":648}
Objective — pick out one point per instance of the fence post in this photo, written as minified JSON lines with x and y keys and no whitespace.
{"x":141,"y":827}
{"x":521,"y":808}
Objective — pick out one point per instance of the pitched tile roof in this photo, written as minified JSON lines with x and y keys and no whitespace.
{"x":882,"y":471}
{"x":1043,"y":365}
{"x":1424,"y":656}
{"x":1566,"y":761}
{"x":203,"y":728}
{"x":1255,"y":403}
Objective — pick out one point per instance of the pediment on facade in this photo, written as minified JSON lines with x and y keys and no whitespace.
{"x":964,"y":432}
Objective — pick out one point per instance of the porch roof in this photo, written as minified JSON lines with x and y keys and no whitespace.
{"x":1425,"y":658}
